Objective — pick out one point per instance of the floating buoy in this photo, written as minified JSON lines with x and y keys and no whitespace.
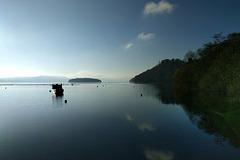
{"x":65,"y":101}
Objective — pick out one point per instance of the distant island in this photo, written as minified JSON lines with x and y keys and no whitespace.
{"x":84,"y":80}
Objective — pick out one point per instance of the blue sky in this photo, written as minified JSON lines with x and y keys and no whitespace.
{"x":107,"y":39}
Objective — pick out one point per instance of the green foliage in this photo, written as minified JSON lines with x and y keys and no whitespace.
{"x":161,"y":73}
{"x":218,"y":67}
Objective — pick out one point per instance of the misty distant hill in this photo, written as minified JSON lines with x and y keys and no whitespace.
{"x":84,"y":80}
{"x":38,"y":79}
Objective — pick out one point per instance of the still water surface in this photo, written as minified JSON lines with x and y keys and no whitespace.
{"x":108,"y":121}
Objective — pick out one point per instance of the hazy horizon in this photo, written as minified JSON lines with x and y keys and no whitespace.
{"x":105,"y":39}
{"x":48,"y":78}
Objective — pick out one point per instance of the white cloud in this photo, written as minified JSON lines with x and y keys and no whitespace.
{"x":158,"y":8}
{"x":129,"y":45}
{"x":141,"y":36}
{"x":147,"y":36}
{"x":159,"y":155}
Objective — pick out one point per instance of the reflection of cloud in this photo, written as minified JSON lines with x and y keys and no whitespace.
{"x":146,"y":126}
{"x":158,"y":155}
{"x":129,"y":118}
{"x":141,"y":126}
{"x":158,"y":8}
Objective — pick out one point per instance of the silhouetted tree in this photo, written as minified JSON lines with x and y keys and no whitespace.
{"x":218,"y":38}
{"x":189,"y":56}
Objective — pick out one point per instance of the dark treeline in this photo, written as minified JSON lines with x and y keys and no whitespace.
{"x":161,"y":73}
{"x":215,"y":66}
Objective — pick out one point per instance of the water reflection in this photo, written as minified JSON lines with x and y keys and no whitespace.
{"x":129,"y":118}
{"x":159,"y":155}
{"x":57,"y":101}
{"x":214,"y":113}
{"x":146,"y":127}
{"x":166,"y":94}
{"x":142,"y":126}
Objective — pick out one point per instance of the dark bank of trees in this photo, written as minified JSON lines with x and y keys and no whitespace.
{"x":215,"y":66}
{"x":161,"y":73}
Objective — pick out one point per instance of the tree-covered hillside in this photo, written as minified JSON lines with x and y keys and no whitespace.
{"x":161,"y":73}
{"x":215,"y":66}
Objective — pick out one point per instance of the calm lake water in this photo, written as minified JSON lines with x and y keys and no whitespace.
{"x":112,"y":121}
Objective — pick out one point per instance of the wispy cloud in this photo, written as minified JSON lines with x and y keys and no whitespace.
{"x":140,"y":37}
{"x":129,"y":45}
{"x":148,"y":36}
{"x":161,"y":7}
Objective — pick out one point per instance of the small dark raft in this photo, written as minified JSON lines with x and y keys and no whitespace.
{"x":57,"y":89}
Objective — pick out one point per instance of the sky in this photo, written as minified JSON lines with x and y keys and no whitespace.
{"x":106,"y":39}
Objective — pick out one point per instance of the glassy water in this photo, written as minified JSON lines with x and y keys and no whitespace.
{"x":112,"y":121}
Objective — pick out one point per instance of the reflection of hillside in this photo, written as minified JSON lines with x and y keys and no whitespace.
{"x":166,"y":94}
{"x":214,"y":113}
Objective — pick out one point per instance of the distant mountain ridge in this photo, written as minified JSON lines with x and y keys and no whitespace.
{"x":37,"y":79}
